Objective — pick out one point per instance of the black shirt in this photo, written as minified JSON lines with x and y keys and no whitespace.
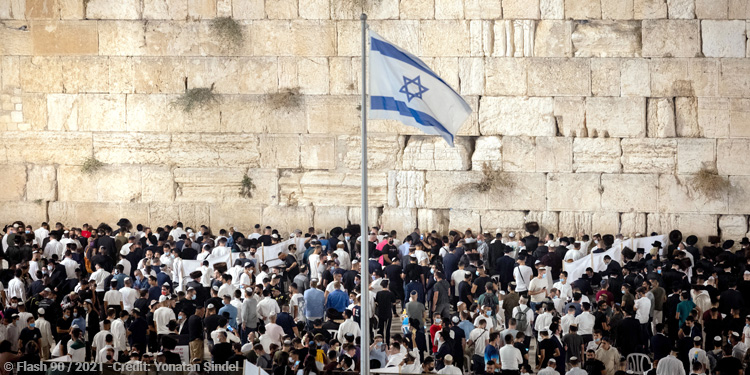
{"x":288,"y":261}
{"x":393,"y":272}
{"x":480,"y":282}
{"x":174,"y":358}
{"x":549,"y":346}
{"x":195,"y":327}
{"x":413,"y":272}
{"x":593,"y":366}
{"x":384,"y":299}
{"x":211,"y":322}
{"x":138,"y":331}
{"x":29,"y":334}
{"x":728,"y":366}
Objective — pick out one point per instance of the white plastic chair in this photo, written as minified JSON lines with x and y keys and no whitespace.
{"x":496,"y":279}
{"x":638,"y":363}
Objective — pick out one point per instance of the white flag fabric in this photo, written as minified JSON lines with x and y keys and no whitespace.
{"x":404,"y":88}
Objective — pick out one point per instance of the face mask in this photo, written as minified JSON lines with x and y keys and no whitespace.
{"x":28,"y":231}
{"x":562,"y":279}
{"x":49,"y":267}
{"x":194,"y":296}
{"x":180,"y":317}
{"x":86,"y":309}
{"x":14,"y":305}
{"x":432,"y":270}
{"x":477,"y":273}
{"x":544,"y":276}
{"x":32,"y":325}
{"x":658,"y":271}
{"x":597,"y":339}
{"x":44,"y":272}
{"x":374,"y":278}
{"x":75,"y":314}
{"x":347,"y":238}
{"x":379,"y":345}
{"x":163,"y":293}
{"x":356,"y":282}
{"x":438,"y":321}
{"x":623,"y":292}
{"x":480,"y":242}
{"x":66,"y":316}
{"x":488,"y":313}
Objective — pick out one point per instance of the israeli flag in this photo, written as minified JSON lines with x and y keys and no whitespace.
{"x":404,"y":88}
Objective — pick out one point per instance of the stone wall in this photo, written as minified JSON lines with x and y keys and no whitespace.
{"x":600,"y":112}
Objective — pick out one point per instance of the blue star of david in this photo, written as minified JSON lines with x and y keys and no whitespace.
{"x":411,"y":95}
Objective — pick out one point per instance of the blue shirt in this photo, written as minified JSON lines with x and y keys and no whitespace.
{"x":314,"y":303}
{"x":286,"y":322}
{"x":337,"y":300}
{"x":120,"y":278}
{"x":142,"y":284}
{"x":467,"y":326}
{"x":232,"y":314}
{"x":491,"y":353}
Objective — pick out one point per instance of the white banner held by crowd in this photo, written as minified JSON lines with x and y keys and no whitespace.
{"x":578,"y":268}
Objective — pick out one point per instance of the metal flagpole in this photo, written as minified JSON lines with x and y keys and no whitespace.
{"x":365,"y":243}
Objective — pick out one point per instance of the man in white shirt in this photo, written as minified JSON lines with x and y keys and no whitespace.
{"x":129,"y":295}
{"x":642,"y":307}
{"x":99,"y":276}
{"x":297,"y":303}
{"x":574,"y":254}
{"x":119,"y":334}
{"x":670,"y":365}
{"x":575,"y":368}
{"x":113,"y":298}
{"x":274,"y":331}
{"x":99,"y":341}
{"x":53,"y":247}
{"x":523,"y":275}
{"x":568,"y":319}
{"x":221,"y":251}
{"x":177,"y":232}
{"x":520,"y":310}
{"x":267,"y":306}
{"x":70,"y":265}
{"x":449,"y":369}
{"x":543,"y":321}
{"x":44,"y":326}
{"x":16,"y":287}
{"x":538,"y":288}
{"x":566,"y":291}
{"x":349,"y":325}
{"x":585,"y":322}
{"x":344,"y":258}
{"x":480,"y":336}
{"x":226,"y":289}
{"x":41,"y":233}
{"x":550,"y":369}
{"x":163,"y":315}
{"x":510,"y":357}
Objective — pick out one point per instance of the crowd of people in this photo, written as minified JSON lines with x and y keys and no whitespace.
{"x":458,"y":303}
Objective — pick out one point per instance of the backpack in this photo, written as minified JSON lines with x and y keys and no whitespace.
{"x":488,"y":300}
{"x":521,"y":320}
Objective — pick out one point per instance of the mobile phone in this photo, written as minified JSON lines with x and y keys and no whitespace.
{"x":296,"y":363}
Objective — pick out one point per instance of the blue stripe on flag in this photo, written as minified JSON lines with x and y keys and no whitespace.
{"x":388,"y":103}
{"x":389,"y":50}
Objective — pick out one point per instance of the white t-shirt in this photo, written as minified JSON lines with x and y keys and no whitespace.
{"x":298,"y":300}
{"x":457,"y":277}
{"x":478,"y":337}
{"x":536,"y":285}
{"x":510,"y":357}
{"x":129,"y":295}
{"x":523,"y":276}
{"x":113,"y":297}
{"x":162,"y":316}
{"x":585,"y":322}
{"x":643,"y":308}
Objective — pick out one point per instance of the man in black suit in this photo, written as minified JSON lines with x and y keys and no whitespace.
{"x":670,"y":312}
{"x":504,"y":267}
{"x":201,"y":294}
{"x":105,"y":240}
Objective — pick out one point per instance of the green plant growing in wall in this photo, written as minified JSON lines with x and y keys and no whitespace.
{"x":708,"y":183}
{"x":228,"y":31}
{"x":91,"y":165}
{"x":492,"y":180}
{"x":197,"y":97}
{"x":287,"y":98}
{"x":246,"y":187}
{"x":38,"y":202}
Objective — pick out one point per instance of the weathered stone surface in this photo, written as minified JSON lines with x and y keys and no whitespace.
{"x":739,"y":126}
{"x":517,"y":116}
{"x":449,"y":10}
{"x":42,"y":183}
{"x":554,"y":154}
{"x":713,"y":118}
{"x":159,"y":75}
{"x":606,"y":39}
{"x":699,"y":225}
{"x":723,"y":38}
{"x":505,"y":76}
{"x":279,"y":151}
{"x":559,"y":77}
{"x":734,"y":79}
{"x":739,"y":199}
{"x":519,"y":154}
{"x":438,"y":220}
{"x":383,"y":151}
{"x":596,"y":155}
{"x":681,"y":9}
{"x":373,"y":215}
{"x":295,"y":38}
{"x":41,"y":74}
{"x":165,"y":9}
{"x":471,"y":76}
{"x":570,"y":114}
{"x":617,"y":9}
{"x":648,"y":155}
{"x":333,"y":115}
{"x":326,"y":218}
{"x":244,"y":216}
{"x":552,"y":9}
{"x":733,"y":226}
{"x":90,"y":112}
{"x":153,"y":113}
{"x":216,"y":185}
{"x":442,"y":191}
{"x":122,"y":38}
{"x":406,"y":189}
{"x":738,"y":9}
{"x":417,"y":9}
{"x":501,"y":221}
{"x":731,"y":156}
{"x":649,"y":9}
{"x":434,"y":154}
{"x":549,"y":222}
{"x":605,"y":77}
{"x":583,"y":9}
{"x":42,"y":9}
{"x":444,"y":38}
{"x":319,"y":152}
{"x":635,"y":77}
{"x":686,"y":117}
{"x":573,"y":192}
{"x":479,"y":9}
{"x":28,"y":212}
{"x":660,"y":118}
{"x":210,"y":150}
{"x":135,"y":148}
{"x":668,"y":38}
{"x":43,"y":147}
{"x":232,"y":75}
{"x":512,"y":38}
{"x":323,"y":188}
{"x":553,"y":39}
{"x":487,"y":150}
{"x":695,"y":154}
{"x":629,"y":192}
{"x":616,"y":117}
{"x":282,"y":10}
{"x":403,"y":220}
{"x":157,"y":184}
{"x":107,"y":184}
{"x":677,"y":194}
{"x":120,"y":10}
{"x":35,"y":111}
{"x":711,"y":9}
{"x":199,"y":9}
{"x":589,"y":222}
{"x":14,"y":183}
{"x":632,"y":223}
{"x":465,"y":219}
{"x":262,"y":114}
{"x":523,"y":9}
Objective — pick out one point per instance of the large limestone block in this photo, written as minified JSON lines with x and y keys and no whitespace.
{"x":403,"y":220}
{"x":449,"y":10}
{"x":596,"y":155}
{"x":552,"y":9}
{"x":110,"y":183}
{"x":681,"y":9}
{"x":573,"y":223}
{"x":71,"y":10}
{"x":29,"y":212}
{"x":734,"y":80}
{"x":406,"y":32}
{"x":713,"y":118}
{"x":165,"y":9}
{"x":210,"y":150}
{"x":154,"y":113}
{"x":41,"y":74}
{"x":417,"y":9}
{"x":501,"y":221}
{"x":660,"y":118}
{"x":570,"y":114}
{"x":384,"y":151}
{"x":677,"y":194}
{"x":573,"y":192}
{"x":42,"y":183}
{"x":505,"y":76}
{"x":176,"y":38}
{"x":262,"y":114}
{"x":121,"y":75}
{"x":553,"y":39}
{"x":616,"y":117}
{"x":244,"y":216}
{"x":444,"y":38}
{"x":217,"y":185}
{"x":43,"y":147}
{"x":738,"y":9}
{"x":314,"y":9}
{"x":733,"y":226}
{"x":559,"y":77}
{"x":629,"y":192}
{"x":649,"y":9}
{"x":606,"y":39}
{"x":279,"y":151}
{"x":549,"y":222}
{"x":605,"y":77}
{"x":157,"y":183}
{"x":333,"y":115}
{"x":199,"y":9}
{"x":282,"y":10}
{"x":617,"y":9}
{"x":554,"y":154}
{"x":583,"y":9}
{"x":9,"y":72}
{"x":649,"y":155}
{"x":373,"y":215}
{"x":723,"y":38}
{"x":739,"y":199}
{"x":190,"y":214}
{"x":517,"y":116}
{"x":378,"y":10}
{"x":108,"y":10}
{"x":695,"y":154}
{"x":14,"y":185}
{"x":253,"y":75}
{"x":13,"y":9}
{"x":35,"y":111}
{"x":16,"y":39}
{"x":671,"y":38}
{"x":429,"y":220}
{"x":406,"y":189}
{"x":522,"y":9}
{"x":699,"y":225}
{"x":159,"y":75}
{"x":632,"y":223}
{"x":326,"y":218}
{"x":481,"y":9}
{"x":42,"y":9}
{"x":343,"y":76}
{"x":460,"y":220}
{"x":739,"y":126}
{"x":686,"y":117}
{"x":132,"y":148}
{"x":323,"y":188}
{"x":101,"y":112}
{"x":442,"y":191}
{"x":434,"y":154}
{"x":471,"y":75}
{"x":635,"y":77}
{"x":519,"y":154}
{"x":295,"y":38}
{"x":680,"y":77}
{"x":319,"y":152}
{"x":711,"y":9}
{"x":731,"y":156}
{"x":487,"y":150}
